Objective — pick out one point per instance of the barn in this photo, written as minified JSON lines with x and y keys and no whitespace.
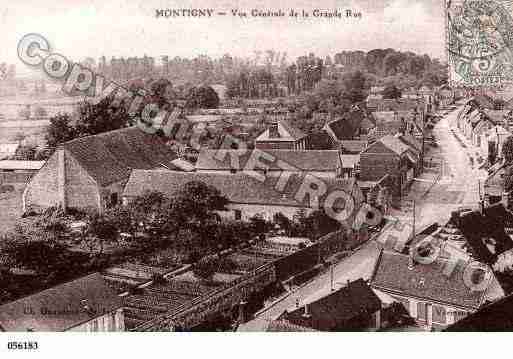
{"x":91,"y":172}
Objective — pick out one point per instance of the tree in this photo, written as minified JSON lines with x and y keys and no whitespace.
{"x":391,"y":92}
{"x":60,"y":130}
{"x":107,"y":115}
{"x":100,"y":230}
{"x":202,"y":97}
{"x":206,"y":267}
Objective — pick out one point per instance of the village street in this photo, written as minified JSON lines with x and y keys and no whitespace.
{"x":457,"y":186}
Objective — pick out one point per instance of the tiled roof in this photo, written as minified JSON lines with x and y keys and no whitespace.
{"x":61,"y":307}
{"x":110,"y":157}
{"x":335,"y":311}
{"x":238,"y":188}
{"x":346,"y":128}
{"x":287,"y":131}
{"x":426,"y":281}
{"x":494,"y":317}
{"x":304,"y":160}
{"x":496,"y":116}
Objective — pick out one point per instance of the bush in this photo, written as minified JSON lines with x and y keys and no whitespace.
{"x":6,"y":188}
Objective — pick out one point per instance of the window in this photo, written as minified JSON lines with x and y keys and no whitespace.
{"x":421,"y":311}
{"x":439,"y":314}
{"x":238,"y":214}
{"x":114,"y":199}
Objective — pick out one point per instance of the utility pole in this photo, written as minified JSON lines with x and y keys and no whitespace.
{"x":331,"y":277}
{"x":413,"y":229}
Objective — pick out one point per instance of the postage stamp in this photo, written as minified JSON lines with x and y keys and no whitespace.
{"x":480,"y":42}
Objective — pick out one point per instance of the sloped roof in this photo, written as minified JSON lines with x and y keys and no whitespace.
{"x":496,"y":116}
{"x":353,"y":146}
{"x":384,"y":116}
{"x":62,"y":307}
{"x":238,"y":187}
{"x":427,"y":281}
{"x":400,"y":104}
{"x":394,"y":143}
{"x":110,"y":157}
{"x":349,"y":161}
{"x":346,"y":128}
{"x":303,"y":160}
{"x":411,"y":141}
{"x":335,"y":311}
{"x":21,"y":165}
{"x":494,"y":317}
{"x":287,"y":131}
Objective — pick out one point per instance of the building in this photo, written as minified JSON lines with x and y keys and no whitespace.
{"x":8,"y":149}
{"x":353,"y":147}
{"x":494,"y":190}
{"x":494,"y":317}
{"x":494,"y":139}
{"x":91,"y":172}
{"x":320,"y":163}
{"x":432,"y":298}
{"x":350,"y":308}
{"x":86,"y":304}
{"x":286,"y":244}
{"x":389,"y":156}
{"x":281,"y":135}
{"x":248,"y":196}
{"x":18,"y":171}
{"x":351,"y":126}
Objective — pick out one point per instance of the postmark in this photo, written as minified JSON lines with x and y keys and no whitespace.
{"x":480,"y":42}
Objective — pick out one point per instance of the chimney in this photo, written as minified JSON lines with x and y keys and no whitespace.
{"x":307,"y":314}
{"x":61,"y":177}
{"x":242,"y":311}
{"x":273,"y":130}
{"x":411,"y":262}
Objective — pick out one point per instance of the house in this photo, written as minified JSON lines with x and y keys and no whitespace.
{"x":349,"y":165}
{"x":286,"y":244}
{"x":320,"y":163}
{"x":12,"y":171}
{"x":248,"y":196}
{"x":433,"y":297}
{"x":494,"y":317}
{"x":350,"y":126}
{"x":479,"y":130}
{"x":282,"y":135}
{"x":417,"y":106}
{"x":352,"y":147}
{"x":494,"y":185}
{"x":491,"y":146}
{"x":86,"y":304}
{"x":353,"y":307}
{"x":446,"y":96}
{"x":90,"y":172}
{"x":8,"y":149}
{"x":389,"y":156}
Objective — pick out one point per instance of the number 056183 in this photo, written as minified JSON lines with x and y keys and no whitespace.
{"x":22,"y":346}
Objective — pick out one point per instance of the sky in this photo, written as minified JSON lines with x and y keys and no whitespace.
{"x":82,"y":28}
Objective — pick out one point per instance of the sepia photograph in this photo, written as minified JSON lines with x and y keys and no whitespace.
{"x":255,"y":166}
